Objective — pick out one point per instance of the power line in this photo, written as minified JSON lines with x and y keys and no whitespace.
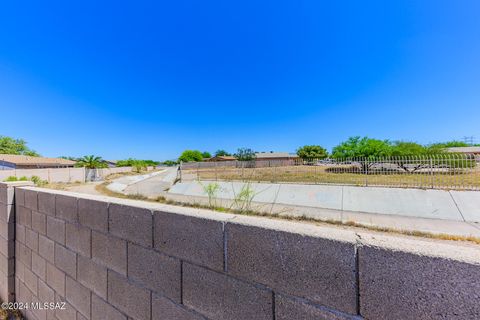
{"x":469,"y":139}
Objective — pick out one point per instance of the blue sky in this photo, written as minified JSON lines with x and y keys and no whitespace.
{"x":150,"y":79}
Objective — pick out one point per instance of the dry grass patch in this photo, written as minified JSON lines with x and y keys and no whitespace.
{"x":324,"y":175}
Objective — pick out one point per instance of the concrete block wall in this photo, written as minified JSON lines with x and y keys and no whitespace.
{"x":61,"y":174}
{"x":120,"y":259}
{"x":7,"y":258}
{"x":50,"y":174}
{"x":7,"y":240}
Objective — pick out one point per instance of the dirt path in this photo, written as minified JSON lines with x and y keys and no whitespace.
{"x":88,"y":188}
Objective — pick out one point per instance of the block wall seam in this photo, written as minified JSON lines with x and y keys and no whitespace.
{"x":274,"y":312}
{"x":181,"y":282}
{"x":224,"y":232}
{"x":358,"y":244}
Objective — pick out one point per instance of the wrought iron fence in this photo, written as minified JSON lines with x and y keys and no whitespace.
{"x":443,"y":171}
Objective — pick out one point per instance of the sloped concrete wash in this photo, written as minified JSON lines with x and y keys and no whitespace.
{"x":148,"y":185}
{"x":456,"y":212}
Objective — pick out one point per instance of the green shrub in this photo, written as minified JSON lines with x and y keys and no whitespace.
{"x":211,"y":190}
{"x":38,"y":181}
{"x":130,"y":162}
{"x":169,"y":163}
{"x":243,"y":200}
{"x":35,"y":179}
{"x":190,"y":156}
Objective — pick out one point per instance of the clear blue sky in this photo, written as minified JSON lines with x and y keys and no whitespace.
{"x":150,"y":79}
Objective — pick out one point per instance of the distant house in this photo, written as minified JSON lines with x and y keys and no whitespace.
{"x":275,"y":156}
{"x":465,"y":150}
{"x":111,"y":163}
{"x":13,"y":161}
{"x":220,"y":158}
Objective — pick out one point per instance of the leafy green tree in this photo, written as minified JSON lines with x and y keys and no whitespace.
{"x":169,"y":163}
{"x":312,"y":152}
{"x":357,"y":147}
{"x":91,"y":162}
{"x":245,"y":154}
{"x":10,"y":145}
{"x":363,"y":148}
{"x":130,"y":162}
{"x":406,"y":148}
{"x":69,"y":158}
{"x":206,"y":155}
{"x":221,"y":153}
{"x":190,"y":156}
{"x":449,"y":144}
{"x":403,"y":152}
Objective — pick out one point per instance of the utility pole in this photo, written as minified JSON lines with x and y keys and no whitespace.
{"x":469,"y":140}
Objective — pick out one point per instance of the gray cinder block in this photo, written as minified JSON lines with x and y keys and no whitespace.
{"x":190,"y":238}
{"x":7,"y":247}
{"x":39,"y":222}
{"x":155,"y":271}
{"x":93,"y":214}
{"x":69,"y":313}
{"x":31,"y":239}
{"x":6,"y":213}
{"x":46,"y":203}
{"x":66,"y":260}
{"x":46,"y":248}
{"x":23,"y":293}
{"x":4,"y":189}
{"x":78,"y":239}
{"x":162,"y":308}
{"x":219,"y":296}
{"x":110,"y":251}
{"x":131,"y":223}
{"x":78,"y":296}
{"x":31,"y":200}
{"x":66,"y":207}
{"x":23,"y":254}
{"x":19,"y":196}
{"x":56,"y":230}
{"x":288,"y":308}
{"x":129,"y":298}
{"x":23,"y":216}
{"x":39,"y":266}
{"x":31,"y":281}
{"x":409,"y":285}
{"x":316,"y":268}
{"x":56,"y":279}
{"x":20,"y":233}
{"x":92,"y":276}
{"x":19,"y":270}
{"x":102,"y":310}
{"x":45,"y":293}
{"x":7,"y":231}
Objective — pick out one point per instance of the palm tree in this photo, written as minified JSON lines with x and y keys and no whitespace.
{"x":91,"y":162}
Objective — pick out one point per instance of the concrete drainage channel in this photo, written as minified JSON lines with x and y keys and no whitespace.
{"x":119,"y":185}
{"x":148,"y":185}
{"x":455,"y":213}
{"x":433,"y":211}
